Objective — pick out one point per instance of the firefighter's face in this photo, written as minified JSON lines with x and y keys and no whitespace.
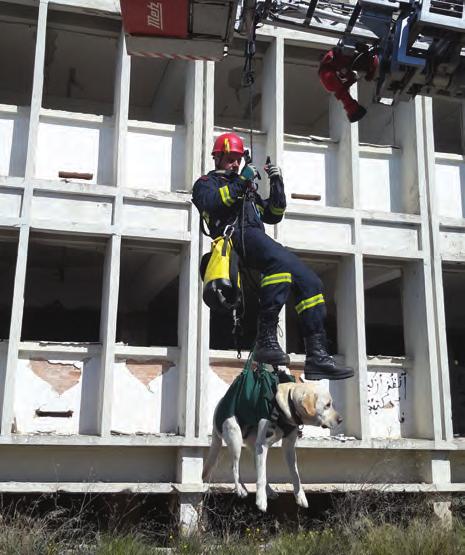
{"x":229,"y":162}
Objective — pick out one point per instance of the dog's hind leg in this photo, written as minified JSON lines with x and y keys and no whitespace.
{"x":212,"y":455}
{"x":291,"y":459}
{"x":233,"y":438}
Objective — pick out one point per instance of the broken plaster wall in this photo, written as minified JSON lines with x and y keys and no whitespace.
{"x":49,"y":393}
{"x":145,"y":397}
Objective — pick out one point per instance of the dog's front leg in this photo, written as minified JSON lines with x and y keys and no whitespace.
{"x":261,"y":452}
{"x":291,"y":459}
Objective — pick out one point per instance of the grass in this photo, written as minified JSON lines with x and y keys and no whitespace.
{"x":362,"y":524}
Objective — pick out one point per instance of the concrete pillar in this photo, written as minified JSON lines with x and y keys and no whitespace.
{"x":419,"y":338}
{"x":347,"y":165}
{"x":273,"y":125}
{"x":350,"y":395}
{"x":188,"y":280}
{"x":203,"y":346}
{"x":189,"y":475}
{"x":190,"y":513}
{"x":433,"y":220}
{"x":442,"y":510}
{"x":7,"y":379}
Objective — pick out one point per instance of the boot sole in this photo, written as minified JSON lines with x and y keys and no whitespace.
{"x":280,"y":362}
{"x":324,"y":376}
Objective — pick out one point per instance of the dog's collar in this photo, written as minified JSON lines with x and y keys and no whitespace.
{"x":287,"y":425}
{"x":294,"y":413}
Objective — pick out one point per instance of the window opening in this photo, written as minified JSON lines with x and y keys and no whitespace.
{"x":384,"y":326}
{"x":18,"y":30}
{"x":454,"y":299}
{"x":306,"y":102}
{"x":8,"y":254}
{"x":80,"y":62}
{"x":157,"y":90}
{"x":447,"y":123}
{"x":148,"y":302}
{"x":378,"y":126}
{"x":63,"y":288}
{"x":232,"y":101}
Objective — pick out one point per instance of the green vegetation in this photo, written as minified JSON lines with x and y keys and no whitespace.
{"x":362,"y":524}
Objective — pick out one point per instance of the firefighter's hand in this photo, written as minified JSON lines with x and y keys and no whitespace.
{"x":250,"y":173}
{"x":273,"y":171}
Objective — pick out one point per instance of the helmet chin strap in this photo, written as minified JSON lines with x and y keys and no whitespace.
{"x":217,"y":158}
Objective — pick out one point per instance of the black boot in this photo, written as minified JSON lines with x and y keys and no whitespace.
{"x":319,"y":365}
{"x":267,"y":349}
{"x":357,"y":115}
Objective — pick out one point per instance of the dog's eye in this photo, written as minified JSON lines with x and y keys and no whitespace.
{"x":328,"y":405}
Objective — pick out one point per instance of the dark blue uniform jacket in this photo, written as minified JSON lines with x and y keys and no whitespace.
{"x":218,"y":196}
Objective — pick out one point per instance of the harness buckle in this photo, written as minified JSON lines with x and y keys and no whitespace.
{"x":228,"y":231}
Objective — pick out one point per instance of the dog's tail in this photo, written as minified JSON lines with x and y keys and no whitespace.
{"x":212,"y":454}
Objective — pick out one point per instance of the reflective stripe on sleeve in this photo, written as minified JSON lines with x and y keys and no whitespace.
{"x":277,"y":211}
{"x":309,"y":303}
{"x":274,"y":279}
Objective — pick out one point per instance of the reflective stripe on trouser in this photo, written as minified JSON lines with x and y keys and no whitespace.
{"x":283,"y":271}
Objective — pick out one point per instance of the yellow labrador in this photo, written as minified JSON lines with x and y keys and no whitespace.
{"x":297,"y":404}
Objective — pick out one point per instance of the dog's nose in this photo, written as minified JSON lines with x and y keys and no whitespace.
{"x":339,"y":419}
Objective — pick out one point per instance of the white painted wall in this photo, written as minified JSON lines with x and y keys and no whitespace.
{"x":155,"y":158}
{"x":380,"y":181}
{"x":75,"y":146}
{"x":310,"y":169}
{"x":450,"y":185}
{"x":147,"y":406}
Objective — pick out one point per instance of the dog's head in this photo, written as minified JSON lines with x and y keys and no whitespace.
{"x":312,"y":403}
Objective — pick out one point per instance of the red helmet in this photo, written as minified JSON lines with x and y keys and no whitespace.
{"x":228,"y":142}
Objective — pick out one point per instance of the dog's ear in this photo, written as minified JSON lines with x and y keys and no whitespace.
{"x":309,"y":404}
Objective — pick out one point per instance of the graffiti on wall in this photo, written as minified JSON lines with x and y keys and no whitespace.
{"x":387,"y":402}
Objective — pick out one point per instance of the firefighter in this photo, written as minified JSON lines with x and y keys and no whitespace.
{"x":338,"y":72}
{"x":225,"y":197}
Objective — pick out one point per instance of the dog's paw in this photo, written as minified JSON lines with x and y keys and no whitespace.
{"x":301,"y":499}
{"x":271,"y":493}
{"x":241,"y":491}
{"x":261,"y":502}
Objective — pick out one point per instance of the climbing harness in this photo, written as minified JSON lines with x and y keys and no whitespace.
{"x":251,"y":397}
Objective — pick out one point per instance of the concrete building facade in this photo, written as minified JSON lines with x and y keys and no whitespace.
{"x":111,"y":366}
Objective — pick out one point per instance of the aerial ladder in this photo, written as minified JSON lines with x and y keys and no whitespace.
{"x":418,"y":45}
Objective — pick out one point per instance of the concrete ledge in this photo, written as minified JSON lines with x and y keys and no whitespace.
{"x":171,"y":440}
{"x":174,"y":488}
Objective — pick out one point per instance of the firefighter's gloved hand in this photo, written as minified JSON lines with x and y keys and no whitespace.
{"x":250,"y":173}
{"x":273,"y":171}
